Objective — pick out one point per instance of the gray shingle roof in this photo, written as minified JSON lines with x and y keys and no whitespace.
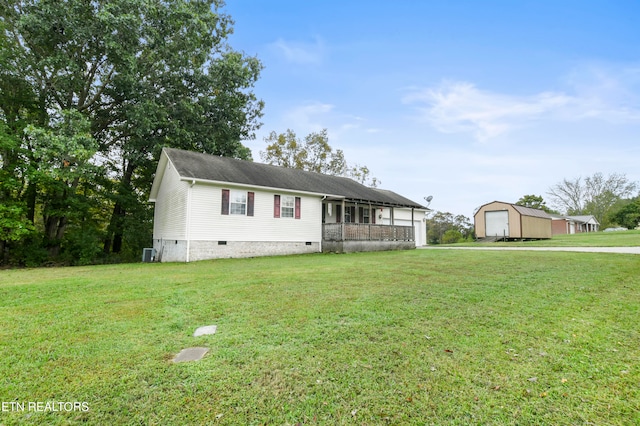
{"x":584,"y":218}
{"x":580,"y":218}
{"x":528,"y":211}
{"x":224,"y":169}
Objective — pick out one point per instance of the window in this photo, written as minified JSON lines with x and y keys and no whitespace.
{"x":365,"y":213}
{"x":237,"y":202}
{"x":286,"y":206}
{"x":349,"y":214}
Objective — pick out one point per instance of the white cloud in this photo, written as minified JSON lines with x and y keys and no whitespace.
{"x":615,"y":85}
{"x":315,"y":116}
{"x":301,"y":52}
{"x":307,"y":118}
{"x":455,"y":107}
{"x":607,"y":92}
{"x":458,"y":107}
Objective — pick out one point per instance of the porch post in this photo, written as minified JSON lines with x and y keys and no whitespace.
{"x":356,"y":219}
{"x":394,"y":231}
{"x":371,"y":219}
{"x":344,"y":216}
{"x":413,"y":226}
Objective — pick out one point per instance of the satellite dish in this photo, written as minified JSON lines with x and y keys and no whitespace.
{"x":428,"y":200}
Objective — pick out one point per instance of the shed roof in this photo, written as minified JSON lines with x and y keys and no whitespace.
{"x":529,"y":211}
{"x":195,"y":165}
{"x":524,"y":211}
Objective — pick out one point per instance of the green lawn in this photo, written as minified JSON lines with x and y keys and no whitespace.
{"x":413,"y":337}
{"x":591,"y":239}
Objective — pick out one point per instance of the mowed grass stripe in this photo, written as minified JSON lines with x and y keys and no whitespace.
{"x":419,"y":337}
{"x":585,"y":239}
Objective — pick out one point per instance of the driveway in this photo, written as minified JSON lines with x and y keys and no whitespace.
{"x":627,"y":250}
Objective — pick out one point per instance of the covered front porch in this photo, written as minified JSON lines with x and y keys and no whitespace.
{"x":358,"y":225}
{"x":354,"y":237}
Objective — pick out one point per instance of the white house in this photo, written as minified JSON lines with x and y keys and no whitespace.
{"x":209,"y":207}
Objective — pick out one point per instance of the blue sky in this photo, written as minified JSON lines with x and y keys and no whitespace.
{"x":468,"y":101}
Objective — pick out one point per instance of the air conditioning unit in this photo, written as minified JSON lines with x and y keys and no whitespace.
{"x":148,"y":254}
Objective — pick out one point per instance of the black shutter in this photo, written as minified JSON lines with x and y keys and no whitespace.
{"x":250,"y":197}
{"x":225,"y":201}
{"x":297,"y":210}
{"x":276,"y":206}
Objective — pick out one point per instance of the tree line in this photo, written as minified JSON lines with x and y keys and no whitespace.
{"x":90,"y":93}
{"x":613,"y":199}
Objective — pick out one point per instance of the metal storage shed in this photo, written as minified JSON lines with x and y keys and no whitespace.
{"x":510,"y":221}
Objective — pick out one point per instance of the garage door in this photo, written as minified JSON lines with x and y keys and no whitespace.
{"x":497,"y":223}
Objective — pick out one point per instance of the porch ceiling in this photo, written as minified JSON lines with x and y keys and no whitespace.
{"x":371,"y":202}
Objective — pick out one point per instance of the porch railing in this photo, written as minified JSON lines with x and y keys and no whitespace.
{"x":366,"y":232}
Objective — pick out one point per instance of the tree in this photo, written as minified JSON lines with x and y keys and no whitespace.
{"x":14,"y":224}
{"x":593,"y":195}
{"x":144,"y":73}
{"x":534,"y":202}
{"x":362,"y":175}
{"x":62,"y":154}
{"x":445,"y":228}
{"x":627,"y":215}
{"x":314,"y":154}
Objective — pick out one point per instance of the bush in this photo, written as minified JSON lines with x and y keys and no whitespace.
{"x":452,"y":236}
{"x":30,"y":253}
{"x":81,"y":247}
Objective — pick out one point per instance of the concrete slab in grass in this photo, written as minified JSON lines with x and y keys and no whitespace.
{"x":191,"y":354}
{"x":207,"y":329}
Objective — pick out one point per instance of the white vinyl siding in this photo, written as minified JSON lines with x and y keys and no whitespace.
{"x":402,"y":217}
{"x":399,"y":214}
{"x":207,"y":223}
{"x":170,"y":212}
{"x":331,"y":212}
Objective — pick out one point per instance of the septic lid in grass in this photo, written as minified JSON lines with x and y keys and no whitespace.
{"x":191,"y":354}
{"x":207,"y":329}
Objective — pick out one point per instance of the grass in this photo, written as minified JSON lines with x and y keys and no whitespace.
{"x":418,"y":337}
{"x":591,"y":239}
